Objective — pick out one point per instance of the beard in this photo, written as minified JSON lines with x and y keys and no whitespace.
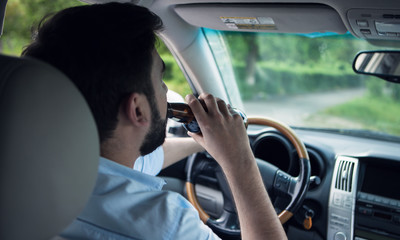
{"x":156,"y":136}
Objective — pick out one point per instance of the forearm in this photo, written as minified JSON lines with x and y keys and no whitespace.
{"x":176,"y":149}
{"x":224,"y":137}
{"x":257,"y":216}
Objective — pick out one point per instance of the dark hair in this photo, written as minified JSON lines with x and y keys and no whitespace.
{"x":106,"y":50}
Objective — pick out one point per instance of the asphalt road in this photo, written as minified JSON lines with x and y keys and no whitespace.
{"x":300,"y":110}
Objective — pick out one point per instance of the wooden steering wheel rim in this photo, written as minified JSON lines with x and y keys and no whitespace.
{"x":286,"y":214}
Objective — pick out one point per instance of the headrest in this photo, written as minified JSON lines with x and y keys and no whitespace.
{"x":49,"y":150}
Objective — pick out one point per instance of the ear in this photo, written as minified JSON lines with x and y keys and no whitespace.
{"x":137,"y":110}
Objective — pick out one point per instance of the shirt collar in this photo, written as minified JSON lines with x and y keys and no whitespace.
{"x":110,"y":167}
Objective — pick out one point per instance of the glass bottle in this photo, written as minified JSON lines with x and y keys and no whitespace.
{"x":182,"y":113}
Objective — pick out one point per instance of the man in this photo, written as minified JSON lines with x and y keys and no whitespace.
{"x":108,"y":52}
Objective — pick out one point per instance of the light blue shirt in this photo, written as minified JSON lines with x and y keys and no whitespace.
{"x":151,"y":163}
{"x":128,"y":204}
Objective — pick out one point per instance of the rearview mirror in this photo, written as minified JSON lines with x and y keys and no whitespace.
{"x":382,"y":64}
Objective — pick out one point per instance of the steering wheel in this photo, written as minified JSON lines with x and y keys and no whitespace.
{"x":277,"y":180}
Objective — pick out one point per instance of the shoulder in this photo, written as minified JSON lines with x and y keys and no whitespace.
{"x":144,"y":215}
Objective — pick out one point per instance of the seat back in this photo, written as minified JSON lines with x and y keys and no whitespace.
{"x":49,"y":150}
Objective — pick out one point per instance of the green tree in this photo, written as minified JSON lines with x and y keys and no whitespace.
{"x":24,"y":16}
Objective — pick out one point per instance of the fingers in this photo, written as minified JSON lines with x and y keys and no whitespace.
{"x":214,"y":106}
{"x":212,"y":114}
{"x":223,"y":107}
{"x":210,"y":101}
{"x":196,"y":107}
{"x":223,"y":133}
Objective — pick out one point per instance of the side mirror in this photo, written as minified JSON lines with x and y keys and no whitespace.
{"x":382,"y":64}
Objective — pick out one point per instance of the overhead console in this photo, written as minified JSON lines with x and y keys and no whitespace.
{"x":289,"y":18}
{"x":375,"y":24}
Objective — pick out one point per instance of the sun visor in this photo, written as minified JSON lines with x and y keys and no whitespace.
{"x":144,"y":3}
{"x":288,"y":18}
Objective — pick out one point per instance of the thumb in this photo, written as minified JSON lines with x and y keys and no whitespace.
{"x":198,"y":137}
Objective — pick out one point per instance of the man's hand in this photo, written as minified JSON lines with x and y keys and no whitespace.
{"x":223,"y":133}
{"x":224,"y":136}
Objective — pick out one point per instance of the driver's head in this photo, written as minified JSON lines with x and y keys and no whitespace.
{"x":108,"y":51}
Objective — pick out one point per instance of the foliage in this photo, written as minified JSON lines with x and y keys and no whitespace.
{"x":24,"y":16}
{"x":379,"y":89}
{"x":288,"y":64}
{"x":173,"y":76}
{"x":376,"y":113}
{"x":293,"y":64}
{"x":283,"y":79}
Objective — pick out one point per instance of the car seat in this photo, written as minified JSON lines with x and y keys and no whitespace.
{"x":49,"y":150}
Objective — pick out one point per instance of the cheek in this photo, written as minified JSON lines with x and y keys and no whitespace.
{"x":165,"y":87}
{"x":162,"y":104}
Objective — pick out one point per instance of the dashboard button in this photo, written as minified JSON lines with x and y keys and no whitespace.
{"x":340,"y":236}
{"x":337,"y":199}
{"x":362,"y":196}
{"x":362,"y":23}
{"x":347,"y":204}
{"x":388,"y":16}
{"x":365,"y":211}
{"x":365,"y":31}
{"x":334,"y":216}
{"x":378,"y":200}
{"x":338,"y":223}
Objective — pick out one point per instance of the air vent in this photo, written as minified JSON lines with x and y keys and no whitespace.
{"x":344,"y":175}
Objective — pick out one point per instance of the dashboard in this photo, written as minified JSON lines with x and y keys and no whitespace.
{"x":377,"y":212}
{"x":354,"y":191}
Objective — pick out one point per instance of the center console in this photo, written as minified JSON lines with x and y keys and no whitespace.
{"x":378,"y":202}
{"x":364,"y":201}
{"x":342,"y":199}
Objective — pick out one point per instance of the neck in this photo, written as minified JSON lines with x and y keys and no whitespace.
{"x":120,"y":152}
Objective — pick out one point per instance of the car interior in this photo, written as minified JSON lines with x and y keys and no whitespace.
{"x":328,"y":177}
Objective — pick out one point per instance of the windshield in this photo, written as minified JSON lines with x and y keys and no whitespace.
{"x":307,"y":80}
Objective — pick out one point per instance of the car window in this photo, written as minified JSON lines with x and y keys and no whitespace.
{"x":307,"y":80}
{"x":173,"y":76}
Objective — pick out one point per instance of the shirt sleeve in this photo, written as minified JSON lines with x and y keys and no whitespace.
{"x":151,"y":163}
{"x":188,"y":224}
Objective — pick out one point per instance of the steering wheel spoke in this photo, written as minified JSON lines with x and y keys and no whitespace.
{"x":284,"y":184}
{"x":227,"y":223}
